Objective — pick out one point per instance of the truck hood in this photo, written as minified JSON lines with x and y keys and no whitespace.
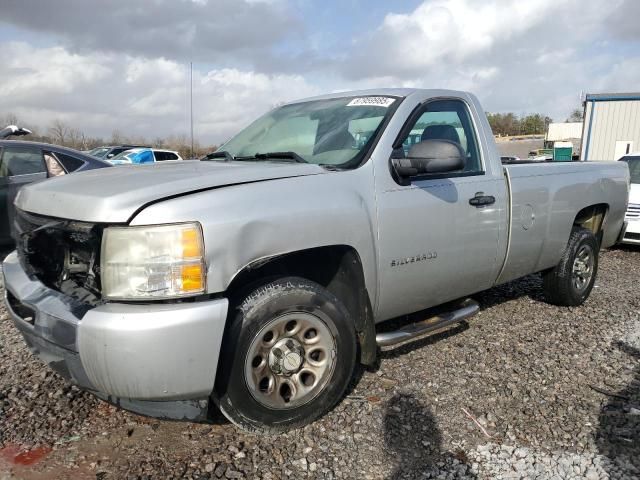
{"x":114,"y":195}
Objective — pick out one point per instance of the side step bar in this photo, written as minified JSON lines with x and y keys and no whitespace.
{"x":418,"y":330}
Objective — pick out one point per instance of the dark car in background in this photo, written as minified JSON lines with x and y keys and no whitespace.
{"x":26,"y":162}
{"x":107,"y":152}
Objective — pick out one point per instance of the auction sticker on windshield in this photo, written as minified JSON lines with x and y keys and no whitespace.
{"x":371,"y":101}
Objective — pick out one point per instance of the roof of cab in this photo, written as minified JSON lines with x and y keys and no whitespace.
{"x":392,"y":92}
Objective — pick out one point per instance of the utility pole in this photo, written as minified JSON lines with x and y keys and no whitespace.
{"x":191,"y":102}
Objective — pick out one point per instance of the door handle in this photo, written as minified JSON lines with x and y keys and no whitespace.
{"x":480,"y":200}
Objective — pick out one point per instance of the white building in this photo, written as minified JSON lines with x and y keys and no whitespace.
{"x":611,"y":125}
{"x":562,"y":132}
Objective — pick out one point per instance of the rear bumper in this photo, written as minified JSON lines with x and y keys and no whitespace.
{"x":155,"y":359}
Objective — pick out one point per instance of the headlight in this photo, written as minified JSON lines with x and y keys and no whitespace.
{"x":154,"y":262}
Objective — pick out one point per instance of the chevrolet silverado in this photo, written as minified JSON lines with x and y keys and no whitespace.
{"x":256,"y":279}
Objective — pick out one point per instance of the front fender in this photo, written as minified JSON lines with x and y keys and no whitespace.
{"x":244,"y":224}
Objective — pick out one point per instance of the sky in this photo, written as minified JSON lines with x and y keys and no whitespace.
{"x":106,"y":65}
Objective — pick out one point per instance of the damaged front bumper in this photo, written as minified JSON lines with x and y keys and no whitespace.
{"x":156,"y":359}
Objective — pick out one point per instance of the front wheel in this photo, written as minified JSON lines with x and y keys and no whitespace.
{"x":287,"y":356}
{"x":570,"y":282}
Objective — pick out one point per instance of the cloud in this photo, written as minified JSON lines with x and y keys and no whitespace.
{"x":141,"y":96}
{"x":206,"y":31}
{"x":529,"y":56}
{"x":441,"y":33}
{"x":122,"y":63}
{"x":623,"y":21}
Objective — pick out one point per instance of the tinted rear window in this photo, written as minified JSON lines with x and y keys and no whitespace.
{"x":70,"y":164}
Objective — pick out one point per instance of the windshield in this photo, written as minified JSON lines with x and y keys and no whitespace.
{"x":325,"y":132}
{"x":634,"y":167}
{"x":123,"y":155}
{"x":99,"y":152}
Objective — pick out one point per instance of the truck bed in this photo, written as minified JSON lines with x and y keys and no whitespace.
{"x":544,"y":202}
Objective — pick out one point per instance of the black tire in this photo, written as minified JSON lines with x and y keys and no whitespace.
{"x":259,"y":309}
{"x":561,"y":284}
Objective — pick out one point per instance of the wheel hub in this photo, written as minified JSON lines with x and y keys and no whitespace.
{"x":290,"y":360}
{"x":286,"y":357}
{"x":582,"y":270}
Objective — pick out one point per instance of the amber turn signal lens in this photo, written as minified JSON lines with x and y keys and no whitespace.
{"x":191,"y":246}
{"x":192,"y":278}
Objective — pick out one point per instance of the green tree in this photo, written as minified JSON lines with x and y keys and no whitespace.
{"x":510,"y":124}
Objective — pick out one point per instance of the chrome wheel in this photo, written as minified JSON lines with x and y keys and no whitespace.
{"x":290,"y":360}
{"x":582,"y":270}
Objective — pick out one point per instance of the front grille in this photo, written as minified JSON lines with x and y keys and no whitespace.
{"x":632,"y":236}
{"x":62,"y":254}
{"x":633,"y":211}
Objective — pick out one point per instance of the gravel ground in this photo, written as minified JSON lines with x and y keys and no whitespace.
{"x":555,"y":393}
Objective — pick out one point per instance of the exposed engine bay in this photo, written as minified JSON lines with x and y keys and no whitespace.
{"x":62,"y":254}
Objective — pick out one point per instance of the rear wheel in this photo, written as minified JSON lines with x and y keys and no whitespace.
{"x":287,"y":357}
{"x":570,"y":282}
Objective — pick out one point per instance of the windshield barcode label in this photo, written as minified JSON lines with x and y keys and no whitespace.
{"x":371,"y":101}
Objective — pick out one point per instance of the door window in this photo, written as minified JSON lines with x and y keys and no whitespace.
{"x":21,"y":161}
{"x":446,"y":120}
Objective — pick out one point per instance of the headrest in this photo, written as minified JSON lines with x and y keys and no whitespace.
{"x":440,"y":132}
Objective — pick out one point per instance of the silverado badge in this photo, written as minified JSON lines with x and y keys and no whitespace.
{"x":417,"y":258}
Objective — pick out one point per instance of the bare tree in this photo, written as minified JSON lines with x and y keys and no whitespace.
{"x":76,"y":139}
{"x":11,"y":119}
{"x":59,"y":132}
{"x":62,"y":133}
{"x":577,"y":115}
{"x":116,"y":137}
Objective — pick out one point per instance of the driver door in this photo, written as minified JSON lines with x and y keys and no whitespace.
{"x":434,"y":245}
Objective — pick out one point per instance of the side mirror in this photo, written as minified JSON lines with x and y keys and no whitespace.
{"x":431,"y":156}
{"x":110,"y":155}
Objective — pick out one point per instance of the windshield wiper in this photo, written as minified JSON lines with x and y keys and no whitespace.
{"x":219,"y":154}
{"x":258,"y":156}
{"x":284,"y":155}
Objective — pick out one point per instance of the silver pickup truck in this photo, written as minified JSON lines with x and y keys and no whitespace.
{"x":255,"y":279}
